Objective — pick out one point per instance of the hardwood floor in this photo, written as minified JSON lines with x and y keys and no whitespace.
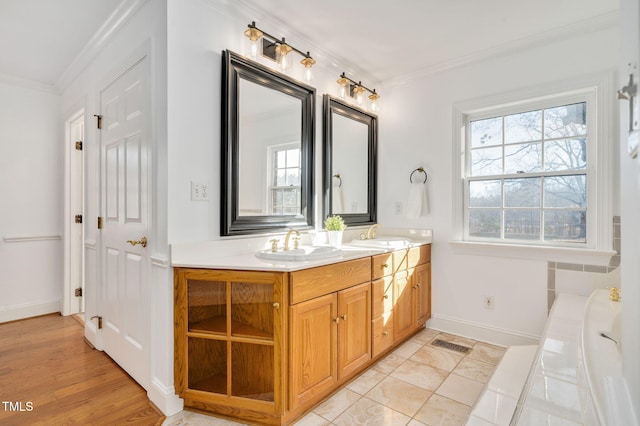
{"x":50,"y":376}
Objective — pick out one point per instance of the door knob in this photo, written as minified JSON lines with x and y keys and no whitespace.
{"x":142,"y":241}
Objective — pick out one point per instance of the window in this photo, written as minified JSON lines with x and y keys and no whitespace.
{"x":527,"y":173}
{"x":284,"y":188}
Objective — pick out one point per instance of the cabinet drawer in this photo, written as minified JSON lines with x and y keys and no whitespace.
{"x":388,"y":263}
{"x":419,"y":255}
{"x":310,"y":283}
{"x":381,"y":296}
{"x":382,"y":331}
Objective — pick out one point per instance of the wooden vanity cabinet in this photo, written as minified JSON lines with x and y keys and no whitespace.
{"x":267,"y":346}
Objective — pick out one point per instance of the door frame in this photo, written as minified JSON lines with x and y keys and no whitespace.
{"x":72,"y":247}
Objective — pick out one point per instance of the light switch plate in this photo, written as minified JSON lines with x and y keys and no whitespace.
{"x":199,"y":191}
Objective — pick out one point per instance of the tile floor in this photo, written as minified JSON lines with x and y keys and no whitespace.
{"x":417,"y":384}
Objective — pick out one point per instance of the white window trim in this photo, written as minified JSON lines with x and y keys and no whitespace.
{"x":270,"y":151}
{"x":599,"y":252}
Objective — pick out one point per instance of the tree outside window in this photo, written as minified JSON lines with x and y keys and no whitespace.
{"x":526,"y":175}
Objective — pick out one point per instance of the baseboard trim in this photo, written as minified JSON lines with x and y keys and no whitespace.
{"x":483,"y":332}
{"x":28,"y":310}
{"x":165,"y":398}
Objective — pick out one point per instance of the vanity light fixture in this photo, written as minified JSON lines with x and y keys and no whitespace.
{"x":281,"y":50}
{"x":254,"y":35}
{"x":356,"y":90}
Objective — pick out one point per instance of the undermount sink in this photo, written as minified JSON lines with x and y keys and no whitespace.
{"x":300,"y":254}
{"x":385,"y":242}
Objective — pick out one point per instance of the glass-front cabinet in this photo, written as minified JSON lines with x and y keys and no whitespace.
{"x":228,"y":332}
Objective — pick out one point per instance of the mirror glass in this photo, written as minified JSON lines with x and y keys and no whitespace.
{"x":350,"y":141}
{"x":349,"y":164}
{"x":267,"y":149}
{"x":269,"y":144}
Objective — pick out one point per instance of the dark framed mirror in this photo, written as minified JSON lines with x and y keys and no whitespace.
{"x":350,"y":140}
{"x":267,"y":149}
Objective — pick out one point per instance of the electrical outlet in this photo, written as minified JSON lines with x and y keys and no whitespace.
{"x":488,"y":302}
{"x":199,"y":191}
{"x":398,"y":208}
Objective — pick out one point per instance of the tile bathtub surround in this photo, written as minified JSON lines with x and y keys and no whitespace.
{"x":552,"y":267}
{"x":416,"y":384}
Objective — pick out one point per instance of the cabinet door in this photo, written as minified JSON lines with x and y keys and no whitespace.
{"x":354,"y":328}
{"x":313,"y":351}
{"x":422,"y":294}
{"x":402,"y":306}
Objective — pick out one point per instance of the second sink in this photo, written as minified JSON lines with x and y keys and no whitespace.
{"x":384,"y":242}
{"x":300,"y":254}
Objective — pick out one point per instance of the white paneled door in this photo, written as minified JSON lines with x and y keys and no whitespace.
{"x":125,"y":158}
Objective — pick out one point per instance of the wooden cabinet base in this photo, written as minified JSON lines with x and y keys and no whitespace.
{"x":232,"y":412}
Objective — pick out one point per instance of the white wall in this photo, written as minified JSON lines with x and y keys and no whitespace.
{"x":416,"y":130}
{"x":31,"y":159}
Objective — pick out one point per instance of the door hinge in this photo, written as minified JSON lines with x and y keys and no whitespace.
{"x":78,"y":145}
{"x":99,"y":321}
{"x":99,"y":117}
{"x":99,"y":222}
{"x":78,"y":292}
{"x":78,"y":218}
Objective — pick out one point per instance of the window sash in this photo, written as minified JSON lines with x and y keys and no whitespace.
{"x":587,"y":212}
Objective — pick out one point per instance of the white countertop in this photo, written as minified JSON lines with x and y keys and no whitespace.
{"x":249,"y":261}
{"x":240,"y":255}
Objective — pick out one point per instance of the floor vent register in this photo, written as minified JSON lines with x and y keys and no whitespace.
{"x":451,"y":346}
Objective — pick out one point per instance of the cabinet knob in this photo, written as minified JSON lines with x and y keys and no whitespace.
{"x":386,"y":296}
{"x":385,"y":333}
{"x":336,"y":320}
{"x":384,"y":265}
{"x":276,"y":305}
{"x":344,"y":317}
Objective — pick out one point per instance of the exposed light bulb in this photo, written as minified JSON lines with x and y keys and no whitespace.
{"x":283,"y":50}
{"x":358,"y":91}
{"x":374,"y":104}
{"x":254,"y":49}
{"x":308,"y":74}
{"x":344,"y":86}
{"x":254,"y":35}
{"x":308,"y":62}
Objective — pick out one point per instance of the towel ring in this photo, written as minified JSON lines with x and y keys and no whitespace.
{"x":337,"y":175}
{"x":420,"y":170}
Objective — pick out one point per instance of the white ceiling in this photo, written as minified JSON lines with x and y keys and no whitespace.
{"x":39,"y":39}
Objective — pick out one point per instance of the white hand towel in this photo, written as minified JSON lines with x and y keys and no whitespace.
{"x":418,"y":202}
{"x":338,"y":199}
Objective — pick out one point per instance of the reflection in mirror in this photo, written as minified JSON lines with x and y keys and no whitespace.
{"x":269,"y":143}
{"x":267,"y":149}
{"x":349,"y":160}
{"x":350,"y":141}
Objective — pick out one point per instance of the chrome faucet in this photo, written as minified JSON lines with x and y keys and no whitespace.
{"x":371,"y":232}
{"x":295,"y":240}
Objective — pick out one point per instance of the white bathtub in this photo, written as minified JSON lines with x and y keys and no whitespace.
{"x":600,"y":364}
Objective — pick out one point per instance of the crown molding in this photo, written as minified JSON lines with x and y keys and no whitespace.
{"x":598,"y":23}
{"x":12,"y":80}
{"x":116,"y":21}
